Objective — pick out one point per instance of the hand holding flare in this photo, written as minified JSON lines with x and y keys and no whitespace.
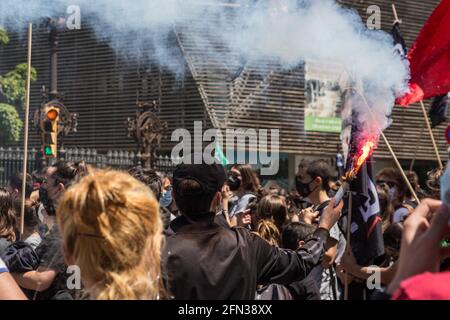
{"x":366,"y":151}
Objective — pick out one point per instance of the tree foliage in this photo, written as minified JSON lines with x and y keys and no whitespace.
{"x":12,"y":91}
{"x":4,"y":39}
{"x":10,"y":124}
{"x":13,"y":84}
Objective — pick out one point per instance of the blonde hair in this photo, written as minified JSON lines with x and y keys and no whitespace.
{"x":272,"y":215}
{"x":267,"y":230}
{"x":112,"y":228}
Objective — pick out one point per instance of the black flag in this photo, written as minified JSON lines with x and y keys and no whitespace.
{"x":439,"y":107}
{"x":366,"y":237}
{"x":399,"y":42}
{"x":438,"y":110}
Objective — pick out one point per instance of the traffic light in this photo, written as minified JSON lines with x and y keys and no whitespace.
{"x":49,"y":130}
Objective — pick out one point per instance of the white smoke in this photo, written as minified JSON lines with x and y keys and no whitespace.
{"x":325,"y":31}
{"x":288,"y":31}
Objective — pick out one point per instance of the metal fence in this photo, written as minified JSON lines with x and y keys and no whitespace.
{"x":11,"y":160}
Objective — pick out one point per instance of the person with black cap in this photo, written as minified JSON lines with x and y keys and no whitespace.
{"x":206,"y":261}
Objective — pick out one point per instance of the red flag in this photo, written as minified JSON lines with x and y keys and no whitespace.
{"x":429,"y":58}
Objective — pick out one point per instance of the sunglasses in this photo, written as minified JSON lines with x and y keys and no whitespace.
{"x":391,"y":184}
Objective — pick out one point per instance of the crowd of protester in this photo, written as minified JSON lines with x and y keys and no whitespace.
{"x":210,"y":232}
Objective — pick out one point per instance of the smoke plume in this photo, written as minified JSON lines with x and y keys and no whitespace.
{"x":286,"y":31}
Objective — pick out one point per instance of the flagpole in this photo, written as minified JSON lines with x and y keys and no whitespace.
{"x":427,"y":121}
{"x":347,"y":251}
{"x":394,"y":10}
{"x":399,"y":166}
{"x":25,"y":138}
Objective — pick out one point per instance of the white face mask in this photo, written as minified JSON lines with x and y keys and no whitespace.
{"x":393,"y":193}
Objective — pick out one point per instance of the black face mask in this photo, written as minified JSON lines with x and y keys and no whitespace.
{"x":303,"y":188}
{"x":332,"y":192}
{"x":234,"y":183}
{"x":46,"y":201}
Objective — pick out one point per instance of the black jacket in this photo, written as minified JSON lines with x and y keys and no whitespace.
{"x":206,"y":261}
{"x":306,"y":289}
{"x":20,"y":257}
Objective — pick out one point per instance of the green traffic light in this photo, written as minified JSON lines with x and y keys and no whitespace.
{"x":48,"y":151}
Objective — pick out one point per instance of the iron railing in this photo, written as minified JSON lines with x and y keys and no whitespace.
{"x":11,"y":160}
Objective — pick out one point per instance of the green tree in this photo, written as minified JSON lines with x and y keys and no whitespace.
{"x":12,"y":91}
{"x":10,"y":123}
{"x":4,"y":39}
{"x":13,"y":84}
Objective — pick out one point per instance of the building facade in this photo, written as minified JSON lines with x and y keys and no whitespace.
{"x":103,"y":85}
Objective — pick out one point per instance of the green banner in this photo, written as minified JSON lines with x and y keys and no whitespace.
{"x":220,"y":156}
{"x":323,"y":124}
{"x":323,"y":97}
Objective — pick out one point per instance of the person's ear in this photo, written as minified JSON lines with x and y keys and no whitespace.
{"x":318,"y":181}
{"x":217,"y":200}
{"x":61,"y":187}
{"x":301,"y":243}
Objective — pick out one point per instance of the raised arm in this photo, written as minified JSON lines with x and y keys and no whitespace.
{"x":37,"y":280}
{"x":282,"y":266}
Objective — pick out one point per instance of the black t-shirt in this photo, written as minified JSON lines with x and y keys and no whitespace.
{"x":51,"y":256}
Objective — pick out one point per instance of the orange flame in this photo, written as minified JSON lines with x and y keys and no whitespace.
{"x":366,"y":151}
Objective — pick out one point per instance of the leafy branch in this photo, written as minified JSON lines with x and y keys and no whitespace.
{"x":12,"y":91}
